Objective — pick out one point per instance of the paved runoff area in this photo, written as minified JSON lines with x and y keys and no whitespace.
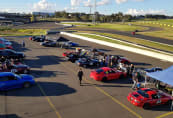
{"x":59,"y":95}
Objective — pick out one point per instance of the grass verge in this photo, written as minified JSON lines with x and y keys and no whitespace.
{"x":5,"y":31}
{"x":121,"y":43}
{"x":166,"y":32}
{"x":115,"y":26}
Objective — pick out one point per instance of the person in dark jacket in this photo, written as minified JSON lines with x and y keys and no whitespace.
{"x":80,"y":74}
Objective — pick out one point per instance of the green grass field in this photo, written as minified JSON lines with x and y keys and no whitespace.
{"x":165,"y":32}
{"x":117,"y":42}
{"x":135,"y":41}
{"x":115,"y":26}
{"x":5,"y":31}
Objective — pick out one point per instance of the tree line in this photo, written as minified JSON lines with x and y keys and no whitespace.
{"x":115,"y":17}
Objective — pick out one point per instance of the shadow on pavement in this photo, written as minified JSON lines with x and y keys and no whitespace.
{"x":18,"y":47}
{"x":125,"y":80}
{"x":99,"y":85}
{"x":45,"y":73}
{"x":42,"y":89}
{"x":41,"y":61}
{"x":164,"y":107}
{"x":140,"y":63}
{"x":10,"y":116}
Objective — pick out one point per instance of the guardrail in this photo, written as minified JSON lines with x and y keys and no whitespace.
{"x":126,"y":48}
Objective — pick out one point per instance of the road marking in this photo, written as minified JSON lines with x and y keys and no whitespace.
{"x":49,"y":101}
{"x":164,"y":115}
{"x":108,"y":95}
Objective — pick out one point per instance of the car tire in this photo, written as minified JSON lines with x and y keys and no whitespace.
{"x":104,"y":79}
{"x":26,"y":85}
{"x":85,"y":66}
{"x":121,"y":76}
{"x":169,"y":102}
{"x":146,"y":106}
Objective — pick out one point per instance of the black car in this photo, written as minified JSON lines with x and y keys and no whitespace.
{"x":87,"y":62}
{"x":72,"y":57}
{"x":7,"y":53}
{"x":38,"y":38}
{"x":154,"y":69}
{"x":48,"y":43}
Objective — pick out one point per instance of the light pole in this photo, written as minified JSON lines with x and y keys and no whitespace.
{"x":94,"y":15}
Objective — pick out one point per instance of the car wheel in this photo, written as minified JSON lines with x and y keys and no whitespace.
{"x":146,"y":106}
{"x":104,"y":79}
{"x":85,"y":66}
{"x":169,"y":102}
{"x":121,"y":76}
{"x":26,"y":85}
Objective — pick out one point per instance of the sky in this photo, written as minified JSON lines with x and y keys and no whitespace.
{"x":133,"y":7}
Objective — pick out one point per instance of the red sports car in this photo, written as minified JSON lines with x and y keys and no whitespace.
{"x":146,"y":98}
{"x":65,"y":54}
{"x":106,"y":73}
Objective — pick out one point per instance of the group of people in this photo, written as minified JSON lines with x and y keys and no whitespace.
{"x":6,"y":62}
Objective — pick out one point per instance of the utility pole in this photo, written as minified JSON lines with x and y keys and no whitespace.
{"x":94,"y":15}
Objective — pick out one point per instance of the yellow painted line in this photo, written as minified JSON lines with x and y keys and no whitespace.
{"x":49,"y":101}
{"x":108,"y":95}
{"x":164,"y":115}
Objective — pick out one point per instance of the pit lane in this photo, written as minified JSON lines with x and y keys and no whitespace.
{"x":58,"y":80}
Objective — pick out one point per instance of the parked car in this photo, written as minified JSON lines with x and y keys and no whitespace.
{"x":38,"y":38}
{"x":8,"y":53}
{"x":106,"y":73}
{"x":65,"y":54}
{"x":48,"y":43}
{"x":9,"y":80}
{"x":142,"y":72}
{"x":19,"y":69}
{"x":153,"y":69}
{"x":73,"y":57}
{"x":73,"y":44}
{"x":5,"y":41}
{"x":146,"y":98}
{"x":97,"y":51}
{"x":8,"y":46}
{"x":87,"y":62}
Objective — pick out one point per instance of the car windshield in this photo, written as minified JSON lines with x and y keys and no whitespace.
{"x":143,"y":93}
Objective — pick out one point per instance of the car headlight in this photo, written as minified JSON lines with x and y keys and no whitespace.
{"x":137,"y":101}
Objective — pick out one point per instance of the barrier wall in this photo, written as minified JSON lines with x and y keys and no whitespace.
{"x":122,"y":47}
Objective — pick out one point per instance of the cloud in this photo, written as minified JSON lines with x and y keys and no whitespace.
{"x":75,"y":3}
{"x":44,"y":6}
{"x":143,"y":12}
{"x":123,"y":1}
{"x":120,"y":1}
{"x":88,"y":3}
{"x":103,"y":2}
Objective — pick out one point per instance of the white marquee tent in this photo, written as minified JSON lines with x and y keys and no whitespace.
{"x":165,"y":76}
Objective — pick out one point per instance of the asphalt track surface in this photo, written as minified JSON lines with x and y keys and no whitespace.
{"x":58,"y":94}
{"x":53,"y":26}
{"x":150,"y":38}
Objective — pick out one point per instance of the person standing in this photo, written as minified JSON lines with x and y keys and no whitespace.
{"x":131,"y":69}
{"x":23,"y":43}
{"x":80,"y":74}
{"x":135,"y":80}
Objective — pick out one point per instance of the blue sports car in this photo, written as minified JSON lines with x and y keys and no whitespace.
{"x":9,"y":80}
